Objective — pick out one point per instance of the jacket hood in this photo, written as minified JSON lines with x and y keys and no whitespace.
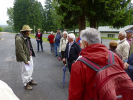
{"x":97,"y":53}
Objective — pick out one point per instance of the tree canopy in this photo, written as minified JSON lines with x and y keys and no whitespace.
{"x":113,"y":13}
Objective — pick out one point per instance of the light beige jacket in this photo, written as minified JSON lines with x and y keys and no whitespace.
{"x":123,"y":48}
{"x":63,"y":43}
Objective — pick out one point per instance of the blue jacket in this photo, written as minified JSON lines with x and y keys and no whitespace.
{"x":130,"y":67}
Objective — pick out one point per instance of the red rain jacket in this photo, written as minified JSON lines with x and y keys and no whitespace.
{"x":51,"y":38}
{"x":82,"y":79}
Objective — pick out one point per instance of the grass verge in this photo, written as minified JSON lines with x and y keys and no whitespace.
{"x":33,"y":36}
{"x":110,"y":38}
{"x":43,"y":38}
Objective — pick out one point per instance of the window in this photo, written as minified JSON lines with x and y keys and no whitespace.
{"x":111,"y":35}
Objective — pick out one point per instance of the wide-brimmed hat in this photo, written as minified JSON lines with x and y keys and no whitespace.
{"x":26,"y":28}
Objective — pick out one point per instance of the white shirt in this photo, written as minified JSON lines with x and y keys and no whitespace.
{"x":70,"y":44}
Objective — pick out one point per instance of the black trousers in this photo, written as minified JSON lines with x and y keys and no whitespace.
{"x":62,"y":54}
{"x":69,"y":63}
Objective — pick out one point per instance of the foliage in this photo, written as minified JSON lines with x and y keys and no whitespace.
{"x":113,"y":13}
{"x":10,"y":14}
{"x":8,"y":29}
{"x":1,"y":29}
{"x":28,"y":12}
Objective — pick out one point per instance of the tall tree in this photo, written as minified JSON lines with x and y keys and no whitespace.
{"x":10,"y":14}
{"x":28,"y":12}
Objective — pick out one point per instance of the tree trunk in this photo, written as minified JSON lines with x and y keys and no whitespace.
{"x":93,"y":23}
{"x":82,"y":24}
{"x":74,"y":30}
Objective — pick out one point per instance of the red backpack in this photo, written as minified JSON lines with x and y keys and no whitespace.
{"x":112,"y":82}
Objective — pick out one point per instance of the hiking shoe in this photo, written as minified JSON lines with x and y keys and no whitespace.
{"x":32,"y":82}
{"x":28,"y":87}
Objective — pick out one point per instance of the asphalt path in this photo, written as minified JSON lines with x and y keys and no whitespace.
{"x":47,"y":73}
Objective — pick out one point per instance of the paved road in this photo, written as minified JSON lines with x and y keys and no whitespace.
{"x":47,"y":72}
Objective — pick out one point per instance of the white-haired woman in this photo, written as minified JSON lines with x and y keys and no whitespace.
{"x":63,"y":43}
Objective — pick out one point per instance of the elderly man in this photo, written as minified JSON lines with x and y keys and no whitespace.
{"x":24,"y":53}
{"x":123,"y":46}
{"x":82,"y":79}
{"x":72,"y":51}
{"x":39,"y":40}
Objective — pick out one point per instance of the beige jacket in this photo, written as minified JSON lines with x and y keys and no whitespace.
{"x":63,"y":43}
{"x":123,"y":48}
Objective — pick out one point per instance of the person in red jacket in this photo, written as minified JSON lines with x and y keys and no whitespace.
{"x":82,"y":79}
{"x":51,"y":41}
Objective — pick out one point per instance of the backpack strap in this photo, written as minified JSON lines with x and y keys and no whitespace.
{"x":95,"y":66}
{"x":111,"y":60}
{"x":89,"y":63}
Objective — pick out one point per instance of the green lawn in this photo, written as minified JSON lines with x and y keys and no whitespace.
{"x":0,"y":34}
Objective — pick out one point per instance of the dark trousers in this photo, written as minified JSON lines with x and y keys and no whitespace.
{"x":69,"y":64}
{"x":62,"y":54}
{"x":52,"y":47}
{"x":38,"y":45}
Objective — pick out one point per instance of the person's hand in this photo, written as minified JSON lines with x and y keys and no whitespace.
{"x":27,"y":63}
{"x":64,"y":60}
{"x":126,"y":65}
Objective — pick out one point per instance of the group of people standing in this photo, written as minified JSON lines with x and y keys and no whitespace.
{"x":68,"y":48}
{"x":87,"y":62}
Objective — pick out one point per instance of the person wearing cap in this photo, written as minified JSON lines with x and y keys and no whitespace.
{"x":123,"y":46}
{"x":63,"y":43}
{"x":24,"y":53}
{"x":57,"y":38}
{"x":72,"y":51}
{"x":39,"y":40}
{"x":113,"y":46}
{"x":129,"y":36}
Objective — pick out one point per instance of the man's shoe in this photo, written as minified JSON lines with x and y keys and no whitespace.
{"x":32,"y":82}
{"x":56,"y":55}
{"x":28,"y":87}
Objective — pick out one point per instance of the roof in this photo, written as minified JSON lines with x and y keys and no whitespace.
{"x":109,"y":29}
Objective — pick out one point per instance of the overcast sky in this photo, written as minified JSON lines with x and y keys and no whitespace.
{"x":7,"y":4}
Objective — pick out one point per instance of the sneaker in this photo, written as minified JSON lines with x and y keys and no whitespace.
{"x":28,"y":87}
{"x":32,"y":82}
{"x":59,"y":59}
{"x":42,"y":51}
{"x":56,"y":55}
{"x":37,"y":51}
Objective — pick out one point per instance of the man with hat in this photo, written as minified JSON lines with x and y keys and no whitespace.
{"x":57,"y":38}
{"x":129,"y":36}
{"x":24,"y":53}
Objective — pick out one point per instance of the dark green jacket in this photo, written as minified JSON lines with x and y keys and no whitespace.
{"x":22,"y":52}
